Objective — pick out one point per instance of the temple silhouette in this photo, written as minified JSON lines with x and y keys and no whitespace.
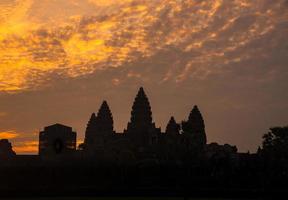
{"x":144,"y":160}
{"x":139,"y":141}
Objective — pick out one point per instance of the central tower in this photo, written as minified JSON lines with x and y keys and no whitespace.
{"x":141,"y":130}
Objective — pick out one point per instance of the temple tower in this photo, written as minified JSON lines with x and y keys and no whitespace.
{"x":195,"y":128}
{"x":172,"y":135}
{"x":104,"y":119}
{"x":90,"y":132}
{"x":141,"y":129}
{"x":172,"y":128}
{"x":99,"y":128}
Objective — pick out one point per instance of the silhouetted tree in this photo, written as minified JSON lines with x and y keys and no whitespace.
{"x":6,"y":150}
{"x":275,"y":144}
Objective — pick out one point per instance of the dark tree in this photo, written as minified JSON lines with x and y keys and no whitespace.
{"x":275,"y":143}
{"x":6,"y":150}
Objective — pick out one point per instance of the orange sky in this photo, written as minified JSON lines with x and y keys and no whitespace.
{"x":229,"y":56}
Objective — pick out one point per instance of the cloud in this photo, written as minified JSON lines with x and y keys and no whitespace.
{"x":8,"y":135}
{"x":22,"y":142}
{"x":205,"y":35}
{"x":26,"y":147}
{"x":81,"y":44}
{"x":30,"y":146}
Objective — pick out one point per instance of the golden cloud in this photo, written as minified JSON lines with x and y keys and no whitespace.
{"x":33,"y":45}
{"x":8,"y":135}
{"x":26,"y":147}
{"x":31,"y":146}
{"x":106,"y":3}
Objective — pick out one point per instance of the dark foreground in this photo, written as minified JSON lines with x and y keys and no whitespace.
{"x":90,"y":180}
{"x":130,"y":198}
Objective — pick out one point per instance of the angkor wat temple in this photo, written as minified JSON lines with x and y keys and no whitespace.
{"x":140,"y":141}
{"x":141,"y":160}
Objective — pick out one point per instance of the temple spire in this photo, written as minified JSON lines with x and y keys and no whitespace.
{"x":195,"y":127}
{"x":141,"y":115}
{"x":99,"y":128}
{"x":90,"y":130}
{"x":172,"y":127}
{"x":196,"y":120}
{"x":105,"y":118}
{"x":92,"y":119}
{"x":91,"y":124}
{"x":141,"y":129}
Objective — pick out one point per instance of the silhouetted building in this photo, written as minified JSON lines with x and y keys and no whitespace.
{"x":99,"y":129}
{"x":141,"y":129}
{"x":90,"y":133}
{"x":172,"y":135}
{"x":57,"y":139}
{"x":194,"y":130}
{"x":105,"y":124}
{"x":6,"y":150}
{"x":141,"y":140}
{"x":222,"y":159}
{"x":172,"y":128}
{"x":177,"y":160}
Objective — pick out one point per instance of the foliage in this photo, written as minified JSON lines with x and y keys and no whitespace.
{"x":275,"y":143}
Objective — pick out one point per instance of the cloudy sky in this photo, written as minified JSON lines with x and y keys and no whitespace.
{"x":60,"y":58}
